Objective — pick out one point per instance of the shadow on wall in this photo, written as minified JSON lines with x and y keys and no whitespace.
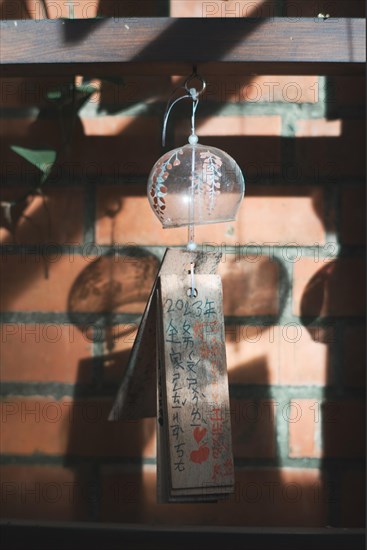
{"x":326,"y":307}
{"x":110,"y":286}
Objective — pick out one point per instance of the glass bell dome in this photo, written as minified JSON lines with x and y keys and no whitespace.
{"x":195,"y":185}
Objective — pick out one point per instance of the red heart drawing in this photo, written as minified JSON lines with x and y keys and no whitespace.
{"x":199,"y":434}
{"x":199,"y":456}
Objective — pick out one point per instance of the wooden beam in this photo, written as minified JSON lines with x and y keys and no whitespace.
{"x":36,"y":535}
{"x":171,"y":46}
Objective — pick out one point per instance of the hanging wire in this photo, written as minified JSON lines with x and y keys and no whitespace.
{"x":191,"y":93}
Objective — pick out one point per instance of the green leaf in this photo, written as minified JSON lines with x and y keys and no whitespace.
{"x":86,"y":88}
{"x":54,"y":95}
{"x":43,"y":159}
{"x":117,"y":80}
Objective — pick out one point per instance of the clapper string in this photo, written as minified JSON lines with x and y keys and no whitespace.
{"x":193,"y":94}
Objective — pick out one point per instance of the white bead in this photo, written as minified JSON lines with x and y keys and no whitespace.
{"x":193,"y":139}
{"x":191,"y":246}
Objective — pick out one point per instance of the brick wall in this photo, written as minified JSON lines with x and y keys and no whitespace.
{"x":292,"y":269}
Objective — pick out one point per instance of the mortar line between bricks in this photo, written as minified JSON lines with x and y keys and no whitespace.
{"x":95,"y":492}
{"x":89,"y":221}
{"x":68,"y":461}
{"x":334,"y":476}
{"x":280,"y":393}
{"x":207,"y":108}
{"x":336,"y":352}
{"x":286,"y":285}
{"x":281,"y":427}
{"x":338,"y":210}
{"x":121,"y":250}
{"x":97,"y":320}
{"x":163,"y":8}
{"x":136,"y":463}
{"x":279,"y":8}
{"x":97,"y":356}
{"x":141,"y":179}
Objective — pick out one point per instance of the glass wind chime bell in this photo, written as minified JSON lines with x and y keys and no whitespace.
{"x":194,"y":184}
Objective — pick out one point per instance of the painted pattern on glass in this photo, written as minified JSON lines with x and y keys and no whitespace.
{"x":211,"y":175}
{"x":207,"y":179}
{"x":159,"y":189}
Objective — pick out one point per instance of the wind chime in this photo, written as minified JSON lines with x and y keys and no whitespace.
{"x":177,"y":369}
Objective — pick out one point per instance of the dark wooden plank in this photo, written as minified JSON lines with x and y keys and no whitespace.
{"x":65,"y":536}
{"x":172,"y":46}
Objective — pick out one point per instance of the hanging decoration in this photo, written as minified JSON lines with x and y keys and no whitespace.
{"x":179,"y":352}
{"x":194,"y":184}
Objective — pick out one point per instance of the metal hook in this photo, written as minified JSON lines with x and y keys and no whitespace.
{"x":191,"y":93}
{"x":190,"y":90}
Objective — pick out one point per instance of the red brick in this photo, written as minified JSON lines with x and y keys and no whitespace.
{"x":331,"y":429}
{"x":306,"y":355}
{"x":54,"y":218}
{"x":21,"y":131}
{"x":130,"y":144}
{"x":13,"y":10}
{"x":27,"y":286}
{"x":249,"y":354}
{"x":293,"y":215}
{"x":45,"y":493}
{"x":263,"y":497}
{"x":289,"y":354}
{"x":241,"y":8}
{"x":353,"y":499}
{"x":131,"y":89}
{"x":127,"y":493}
{"x":31,"y":92}
{"x":118,"y":343}
{"x":234,"y":126}
{"x":133,"y":147}
{"x":353,"y":215}
{"x":247,"y":153}
{"x":122,"y":284}
{"x":287,"y":497}
{"x":318,"y":127}
{"x":253,"y":430}
{"x":330,"y":288}
{"x":116,"y":8}
{"x":58,"y":9}
{"x":304,"y":421}
{"x":44,"y":353}
{"x":344,"y":429}
{"x":250,"y":285}
{"x":69,"y":427}
{"x":255,"y":89}
{"x":354,"y":358}
{"x":346,"y":90}
{"x":332,"y":157}
{"x":78,"y":284}
{"x":134,"y":221}
{"x":263,"y":8}
{"x":243,"y":138}
{"x":39,"y":133}
{"x":82,"y":9}
{"x":335,"y":8}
